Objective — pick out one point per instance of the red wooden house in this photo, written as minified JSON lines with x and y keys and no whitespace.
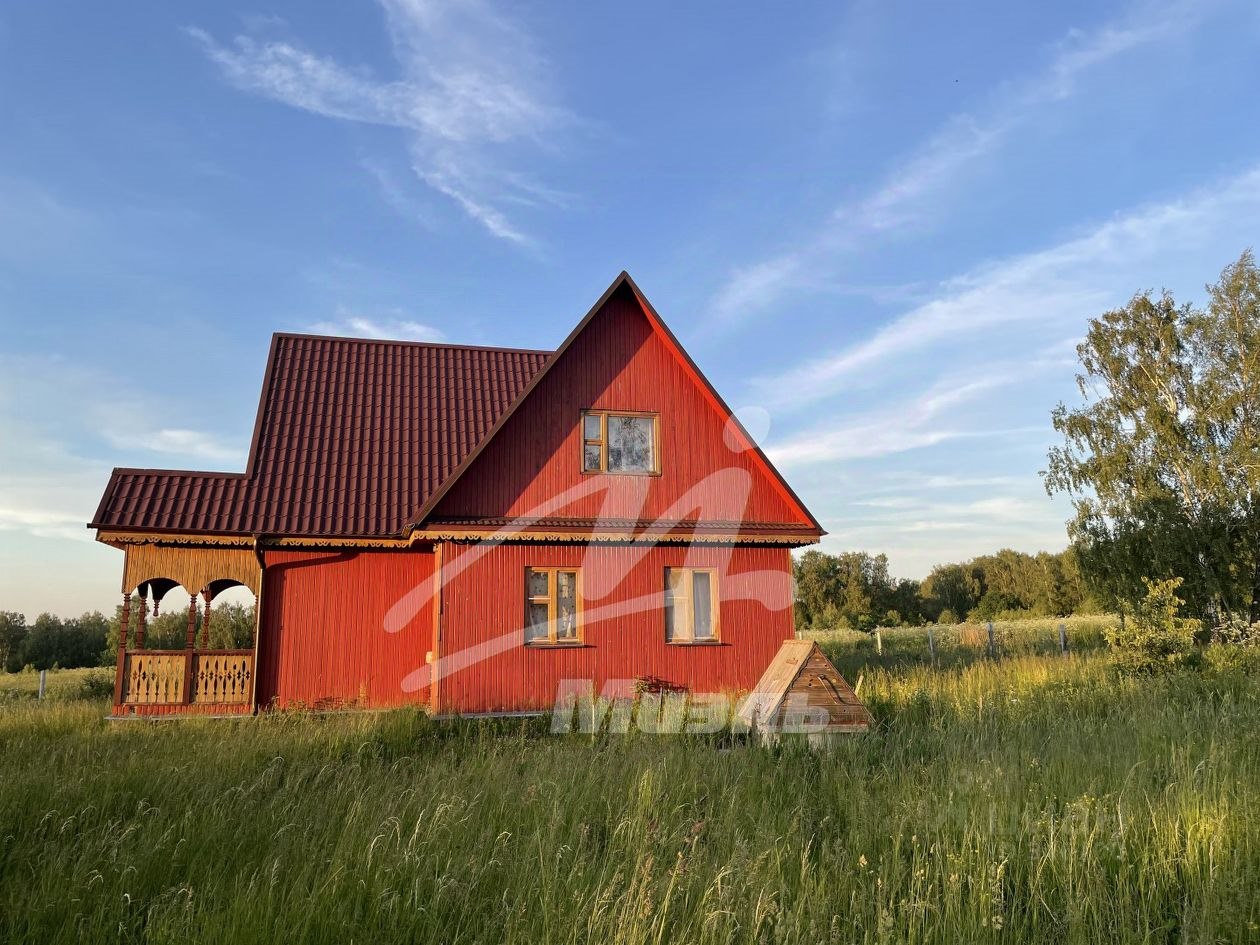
{"x":467,"y":529}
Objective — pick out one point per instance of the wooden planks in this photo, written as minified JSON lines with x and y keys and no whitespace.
{"x":192,"y":568}
{"x":800,"y":686}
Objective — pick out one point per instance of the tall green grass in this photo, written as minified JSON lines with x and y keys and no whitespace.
{"x":1032,"y":799}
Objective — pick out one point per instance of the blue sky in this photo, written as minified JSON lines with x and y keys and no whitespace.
{"x":878,"y":227}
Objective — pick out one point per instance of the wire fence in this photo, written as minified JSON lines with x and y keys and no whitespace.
{"x":961,"y":644}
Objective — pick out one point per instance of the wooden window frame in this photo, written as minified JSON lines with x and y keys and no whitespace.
{"x":602,"y":442}
{"x":714,"y":610}
{"x":551,"y":599}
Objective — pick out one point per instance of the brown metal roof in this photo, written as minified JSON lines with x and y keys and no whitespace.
{"x":360,"y":438}
{"x":352,"y":436}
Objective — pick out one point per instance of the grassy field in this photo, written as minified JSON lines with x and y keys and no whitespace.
{"x":1028,"y":799}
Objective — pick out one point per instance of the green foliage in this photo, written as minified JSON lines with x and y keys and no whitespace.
{"x":1037,"y":800}
{"x":92,"y":640}
{"x":231,"y":627}
{"x":1161,"y":459}
{"x":12,"y":635}
{"x":854,"y":590}
{"x":64,"y":685}
{"x":949,"y":588}
{"x":1235,"y":646}
{"x":51,"y":641}
{"x":994,"y":603}
{"x":1153,"y":637}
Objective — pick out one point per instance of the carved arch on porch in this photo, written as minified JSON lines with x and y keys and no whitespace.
{"x":194,"y":569}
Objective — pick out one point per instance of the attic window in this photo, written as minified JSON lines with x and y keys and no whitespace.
{"x":620,"y":441}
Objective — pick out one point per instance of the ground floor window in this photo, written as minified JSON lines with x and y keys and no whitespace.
{"x":552,"y":606}
{"x":691,"y":605}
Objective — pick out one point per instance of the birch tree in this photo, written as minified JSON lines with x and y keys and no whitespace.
{"x":1162,"y":460}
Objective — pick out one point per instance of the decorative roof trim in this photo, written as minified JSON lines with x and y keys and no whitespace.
{"x":121,"y":539}
{"x":634,"y":537}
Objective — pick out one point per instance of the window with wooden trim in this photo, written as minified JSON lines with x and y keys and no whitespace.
{"x":553,"y":606}
{"x":620,"y":441}
{"x":691,"y":605}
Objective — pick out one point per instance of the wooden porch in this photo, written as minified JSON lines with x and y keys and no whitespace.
{"x":196,"y":679}
{"x":167,"y":682}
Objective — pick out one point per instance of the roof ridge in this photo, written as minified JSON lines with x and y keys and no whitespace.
{"x":308,"y":336}
{"x":202,"y":473}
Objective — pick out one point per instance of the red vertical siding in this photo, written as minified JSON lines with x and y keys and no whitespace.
{"x":323,"y":641}
{"x":486,"y":667}
{"x":619,"y":362}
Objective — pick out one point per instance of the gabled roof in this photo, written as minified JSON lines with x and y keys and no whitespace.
{"x":360,"y":438}
{"x":351,"y":436}
{"x":624,"y":282}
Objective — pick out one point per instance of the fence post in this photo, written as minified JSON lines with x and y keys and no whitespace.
{"x":879,"y":643}
{"x":992,"y":646}
{"x":931,"y":643}
{"x":1063,"y":644}
{"x":43,"y":682}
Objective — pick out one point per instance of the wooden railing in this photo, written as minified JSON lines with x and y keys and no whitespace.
{"x":223,"y":677}
{"x":155,"y":677}
{"x":185,"y":677}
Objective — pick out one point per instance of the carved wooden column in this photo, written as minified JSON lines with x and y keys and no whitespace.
{"x":208,"y":596}
{"x":144,"y":609}
{"x":123,"y":622}
{"x":192,"y":621}
{"x":188,"y":651}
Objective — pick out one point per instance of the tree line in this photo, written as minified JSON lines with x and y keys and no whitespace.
{"x":92,"y":639}
{"x":854,"y":589}
{"x":51,"y":642}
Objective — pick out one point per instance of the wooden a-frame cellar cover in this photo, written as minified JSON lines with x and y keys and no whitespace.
{"x":801,"y":680}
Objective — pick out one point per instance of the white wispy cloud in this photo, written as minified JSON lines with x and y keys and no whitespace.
{"x":1058,"y":287}
{"x":912,"y":423}
{"x":44,"y":523}
{"x":348,"y":324}
{"x":918,"y":532}
{"x":47,"y":489}
{"x":919,"y":184}
{"x":967,"y":137}
{"x":47,"y":403}
{"x":195,"y":444}
{"x":967,"y":380}
{"x":64,"y":423}
{"x":471,"y":92}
